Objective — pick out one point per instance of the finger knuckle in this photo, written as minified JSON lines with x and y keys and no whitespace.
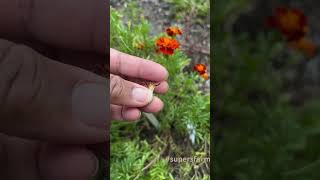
{"x":116,"y":86}
{"x":19,"y":78}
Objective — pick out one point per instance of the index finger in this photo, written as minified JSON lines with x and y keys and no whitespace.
{"x":71,"y":24}
{"x":135,"y":67}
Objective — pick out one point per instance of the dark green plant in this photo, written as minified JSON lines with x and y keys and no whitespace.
{"x":261,"y":132}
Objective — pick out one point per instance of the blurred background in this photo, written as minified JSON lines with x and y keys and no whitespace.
{"x":266,"y":89}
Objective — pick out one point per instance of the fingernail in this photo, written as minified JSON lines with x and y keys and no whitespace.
{"x":90,"y":104}
{"x":142,"y":95}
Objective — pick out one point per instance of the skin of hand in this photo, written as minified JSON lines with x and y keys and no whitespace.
{"x":51,"y":108}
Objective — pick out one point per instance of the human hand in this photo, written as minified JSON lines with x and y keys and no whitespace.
{"x":45,"y":119}
{"x":45,"y":103}
{"x":127,"y":97}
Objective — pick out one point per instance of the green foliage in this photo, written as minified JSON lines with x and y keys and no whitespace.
{"x":129,"y":158}
{"x":259,"y":132}
{"x":134,"y":145}
{"x":182,"y":7}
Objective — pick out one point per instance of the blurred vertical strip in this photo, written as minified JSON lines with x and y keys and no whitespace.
{"x":212,"y":93}
{"x":106,"y":156}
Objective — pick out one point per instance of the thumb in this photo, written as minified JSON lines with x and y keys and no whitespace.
{"x":46,"y":100}
{"x":127,"y":93}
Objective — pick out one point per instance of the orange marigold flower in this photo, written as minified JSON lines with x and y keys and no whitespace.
{"x":173,"y":31}
{"x":292,"y":23}
{"x":167,"y":45}
{"x":200,"y":68}
{"x":205,"y":76}
{"x":307,"y":47}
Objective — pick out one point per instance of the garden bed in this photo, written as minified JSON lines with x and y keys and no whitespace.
{"x":139,"y":150}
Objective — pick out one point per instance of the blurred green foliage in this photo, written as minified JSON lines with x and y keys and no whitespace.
{"x":183,"y":7}
{"x":135,"y":145}
{"x":259,"y":132}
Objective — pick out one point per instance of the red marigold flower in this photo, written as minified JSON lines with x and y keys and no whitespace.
{"x":173,"y":31}
{"x":167,"y":45}
{"x":292,"y":23}
{"x":200,"y":68}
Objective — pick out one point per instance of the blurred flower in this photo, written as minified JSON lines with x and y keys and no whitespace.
{"x":201,"y":69}
{"x":307,"y":47}
{"x":205,"y":76}
{"x":173,"y":31}
{"x":292,"y":23}
{"x":167,"y":45}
